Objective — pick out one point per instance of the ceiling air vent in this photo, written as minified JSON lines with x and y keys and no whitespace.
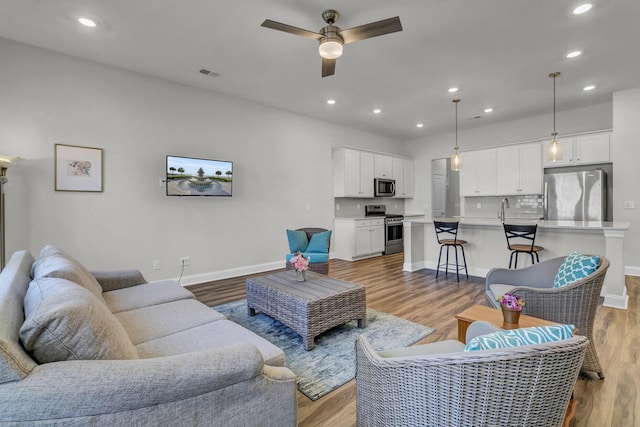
{"x":208,"y":72}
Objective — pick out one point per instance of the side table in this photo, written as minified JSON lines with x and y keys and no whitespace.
{"x":493,"y":315}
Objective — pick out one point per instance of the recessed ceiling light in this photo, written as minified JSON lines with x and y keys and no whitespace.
{"x":582,"y":8}
{"x":453,"y":89}
{"x":590,"y":87}
{"x":419,"y":125}
{"x":377,"y":111}
{"x":488,"y":110}
{"x":331,"y":101}
{"x":574,"y":54}
{"x":87,"y":22}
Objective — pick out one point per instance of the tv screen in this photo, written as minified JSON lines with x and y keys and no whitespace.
{"x":188,"y":176}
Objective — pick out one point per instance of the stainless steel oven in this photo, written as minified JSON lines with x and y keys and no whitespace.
{"x":393,"y":234}
{"x":393,"y":228}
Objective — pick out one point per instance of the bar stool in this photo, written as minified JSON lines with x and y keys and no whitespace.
{"x":447,"y":235}
{"x":518,"y":233}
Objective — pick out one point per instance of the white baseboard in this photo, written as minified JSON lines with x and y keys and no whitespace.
{"x":630,"y":270}
{"x":232,"y":272}
{"x":616,"y":301}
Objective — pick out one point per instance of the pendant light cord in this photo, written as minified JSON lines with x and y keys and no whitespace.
{"x":554,"y":75}
{"x":455,"y":101}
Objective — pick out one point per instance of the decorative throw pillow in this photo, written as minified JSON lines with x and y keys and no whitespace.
{"x":520,"y":337}
{"x":54,"y":262}
{"x":64,"y":321}
{"x":319,"y":242}
{"x":575,"y":267}
{"x":297,"y":240}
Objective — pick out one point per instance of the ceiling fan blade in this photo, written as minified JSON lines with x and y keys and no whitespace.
{"x":374,"y":29}
{"x":328,"y":67}
{"x":268,"y":23}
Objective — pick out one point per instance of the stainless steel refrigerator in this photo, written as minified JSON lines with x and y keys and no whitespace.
{"x":576,"y":196}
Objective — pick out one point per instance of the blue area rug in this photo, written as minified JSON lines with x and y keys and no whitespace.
{"x":332,"y":362}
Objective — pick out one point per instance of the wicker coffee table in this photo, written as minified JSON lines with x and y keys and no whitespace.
{"x":310,"y":307}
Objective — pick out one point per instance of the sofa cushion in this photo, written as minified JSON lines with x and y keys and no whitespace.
{"x":15,"y":363}
{"x":65,"y":321}
{"x":520,"y":337}
{"x":575,"y":267}
{"x":313,"y":257}
{"x":157,"y":321}
{"x":319,"y":242}
{"x":145,"y":295}
{"x":54,"y":262}
{"x":297,"y":240}
{"x":212,"y":335}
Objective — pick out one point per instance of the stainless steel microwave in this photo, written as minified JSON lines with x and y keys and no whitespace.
{"x":384,"y":187}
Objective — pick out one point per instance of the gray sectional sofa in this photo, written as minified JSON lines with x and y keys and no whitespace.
{"x":107,"y":348}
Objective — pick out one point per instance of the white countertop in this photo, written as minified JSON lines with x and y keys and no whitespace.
{"x":542,"y":224}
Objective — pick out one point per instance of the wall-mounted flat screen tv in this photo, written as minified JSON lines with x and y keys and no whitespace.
{"x":188,"y":176}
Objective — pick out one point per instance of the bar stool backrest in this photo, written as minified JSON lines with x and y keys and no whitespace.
{"x":515,"y":234}
{"x":446,"y":232}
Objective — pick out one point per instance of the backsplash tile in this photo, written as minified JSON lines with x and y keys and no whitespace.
{"x":528,"y":206}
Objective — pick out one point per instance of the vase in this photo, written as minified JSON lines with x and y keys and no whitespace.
{"x":510,"y":316}
{"x":300,"y":276}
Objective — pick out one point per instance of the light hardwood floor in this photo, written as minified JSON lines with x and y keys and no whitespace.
{"x":421,"y":298}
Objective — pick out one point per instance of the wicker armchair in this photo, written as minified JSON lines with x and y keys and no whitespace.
{"x":316,"y":267}
{"x":573,"y":304}
{"x":520,"y":386}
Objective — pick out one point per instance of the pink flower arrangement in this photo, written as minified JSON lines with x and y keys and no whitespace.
{"x":512,"y":302}
{"x":299,"y":263}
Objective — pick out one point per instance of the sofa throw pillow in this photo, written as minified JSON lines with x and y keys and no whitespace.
{"x":54,"y":262}
{"x":520,"y":337}
{"x":319,"y":242}
{"x":64,"y":321}
{"x":297,"y":240}
{"x":575,"y":267}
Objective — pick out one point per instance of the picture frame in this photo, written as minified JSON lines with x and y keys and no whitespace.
{"x":78,"y":168}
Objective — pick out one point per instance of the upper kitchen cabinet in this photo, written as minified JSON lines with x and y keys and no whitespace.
{"x":581,"y":150}
{"x":403,"y":175}
{"x":478,"y":173}
{"x":519,"y":169}
{"x":383,"y":166}
{"x":352,"y":173}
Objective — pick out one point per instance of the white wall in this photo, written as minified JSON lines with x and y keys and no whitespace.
{"x":282,"y":168}
{"x":626,"y":136}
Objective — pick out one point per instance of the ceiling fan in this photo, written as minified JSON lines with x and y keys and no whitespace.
{"x":332,"y":38}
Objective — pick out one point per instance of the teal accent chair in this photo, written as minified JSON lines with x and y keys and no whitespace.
{"x":316,"y":249}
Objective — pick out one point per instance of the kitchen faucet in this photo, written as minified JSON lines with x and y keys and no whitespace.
{"x":503,"y":203}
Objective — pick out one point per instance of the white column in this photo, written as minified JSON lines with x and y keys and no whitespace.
{"x":414,"y":254}
{"x":615,"y":291}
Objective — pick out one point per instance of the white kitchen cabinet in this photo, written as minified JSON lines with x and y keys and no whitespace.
{"x":358,"y":238}
{"x":581,"y":150}
{"x":478,"y":173}
{"x":352,"y":173}
{"x":383,"y":166}
{"x":519,"y":169}
{"x":403,"y":175}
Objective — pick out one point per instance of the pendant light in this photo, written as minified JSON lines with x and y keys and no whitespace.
{"x":554,"y":151}
{"x":456,"y":159}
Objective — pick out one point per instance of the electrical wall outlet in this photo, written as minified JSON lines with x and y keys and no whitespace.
{"x":156,"y":264}
{"x":629,"y":204}
{"x":185,"y":261}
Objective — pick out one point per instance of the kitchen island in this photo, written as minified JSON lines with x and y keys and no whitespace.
{"x":487,"y":247}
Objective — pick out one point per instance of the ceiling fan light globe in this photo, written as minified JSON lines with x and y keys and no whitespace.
{"x":330,"y":49}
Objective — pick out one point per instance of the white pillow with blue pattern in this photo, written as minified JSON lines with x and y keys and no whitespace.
{"x":520,"y":337}
{"x":575,"y":267}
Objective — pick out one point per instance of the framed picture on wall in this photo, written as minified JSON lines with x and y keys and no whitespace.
{"x":78,"y":168}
